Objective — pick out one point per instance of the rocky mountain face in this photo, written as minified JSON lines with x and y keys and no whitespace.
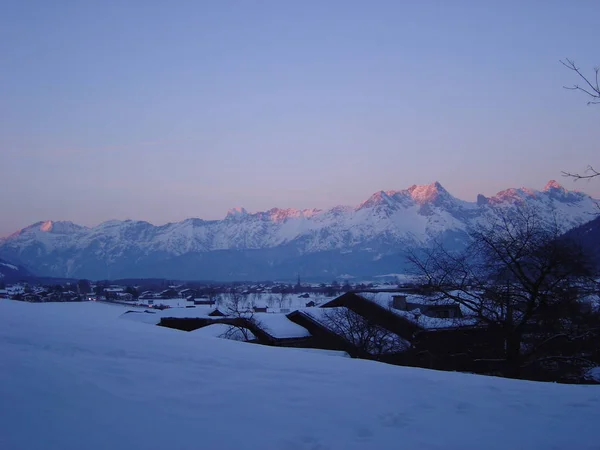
{"x":12,"y":272}
{"x":365,"y":240}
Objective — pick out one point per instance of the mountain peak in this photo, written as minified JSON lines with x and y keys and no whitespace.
{"x":54,"y":227}
{"x":427,"y":193}
{"x":47,"y":226}
{"x":553,"y":190}
{"x":553,"y":184}
{"x":378,"y":198}
{"x":420,"y":194}
{"x":236,"y":213}
{"x":281,"y":215}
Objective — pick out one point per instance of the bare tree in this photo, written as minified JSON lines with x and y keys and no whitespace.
{"x":237,"y":303}
{"x":592,"y":89}
{"x":518,"y":273}
{"x":257,"y":298}
{"x":237,"y":333}
{"x":368,"y":337}
{"x":283,"y":299}
{"x":213,"y":295}
{"x":239,"y":307}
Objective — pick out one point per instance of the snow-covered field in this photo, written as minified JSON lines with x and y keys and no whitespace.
{"x":274,"y":302}
{"x":75,"y":376}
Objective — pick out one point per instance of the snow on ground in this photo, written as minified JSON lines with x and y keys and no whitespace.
{"x":73,"y":376}
{"x":271,"y":300}
{"x":399,"y":277}
{"x":275,"y":301}
{"x":170,"y":302}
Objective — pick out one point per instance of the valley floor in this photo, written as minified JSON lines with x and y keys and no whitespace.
{"x":75,"y":376}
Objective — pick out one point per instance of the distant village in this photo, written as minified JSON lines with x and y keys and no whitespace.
{"x":161,"y":294}
{"x":396,"y":323}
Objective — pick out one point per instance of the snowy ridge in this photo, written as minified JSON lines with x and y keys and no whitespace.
{"x":384,"y":222}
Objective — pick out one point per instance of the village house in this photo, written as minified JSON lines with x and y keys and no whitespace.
{"x":187,"y":293}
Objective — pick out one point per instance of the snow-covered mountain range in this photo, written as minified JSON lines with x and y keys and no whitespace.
{"x":280,"y":243}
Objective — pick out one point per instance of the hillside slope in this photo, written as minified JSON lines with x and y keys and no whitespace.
{"x":76,"y":376}
{"x":588,"y":235}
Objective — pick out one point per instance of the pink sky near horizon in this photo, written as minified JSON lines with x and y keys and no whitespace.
{"x":188,"y":109}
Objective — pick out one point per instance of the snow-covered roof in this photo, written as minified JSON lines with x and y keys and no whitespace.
{"x":435,"y":323}
{"x":319,"y":351}
{"x":215,"y":330}
{"x":338,"y":321}
{"x":384,"y":299}
{"x":223,"y":331}
{"x":145,"y":316}
{"x":154,"y":316}
{"x":319,"y":314}
{"x":279,"y":326}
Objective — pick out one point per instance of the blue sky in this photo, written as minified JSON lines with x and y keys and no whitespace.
{"x":161,"y":110}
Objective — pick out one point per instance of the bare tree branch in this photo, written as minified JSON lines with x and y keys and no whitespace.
{"x":590,"y":172}
{"x":591,"y":89}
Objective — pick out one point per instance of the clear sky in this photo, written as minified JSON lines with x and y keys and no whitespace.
{"x":163,"y":110}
